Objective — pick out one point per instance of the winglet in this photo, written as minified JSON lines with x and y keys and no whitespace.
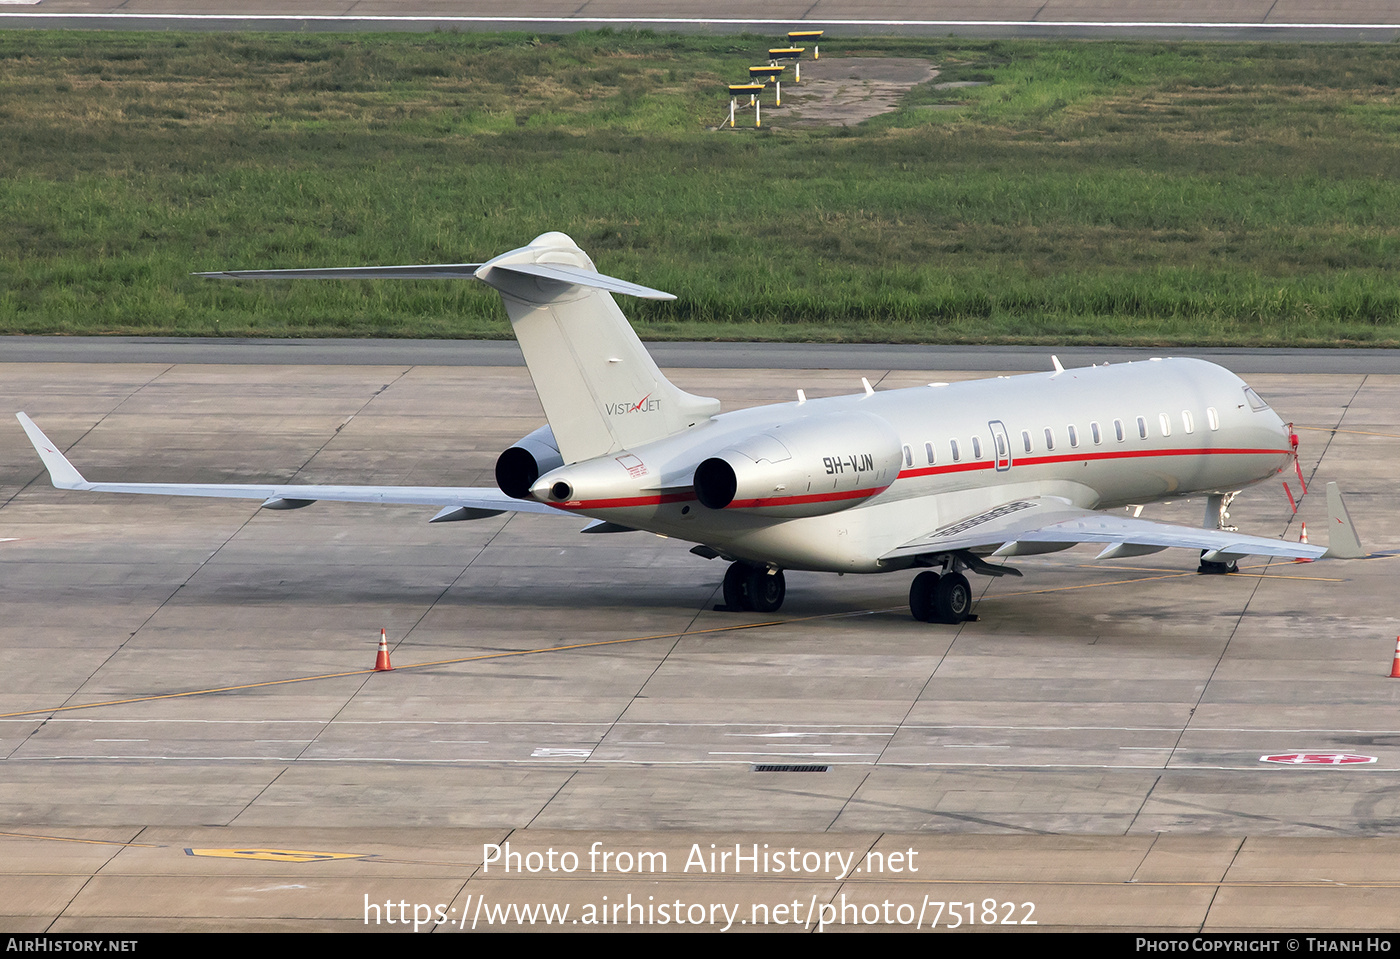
{"x":61,"y":472}
{"x":1343,"y":542}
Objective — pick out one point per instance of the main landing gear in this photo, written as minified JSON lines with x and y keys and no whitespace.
{"x":1218,"y":511}
{"x":940,"y":599}
{"x":754,"y":587}
{"x":1217,"y":569}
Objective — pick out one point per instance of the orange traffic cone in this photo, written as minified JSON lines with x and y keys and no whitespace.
{"x":1395,"y":669}
{"x":381,"y":662}
{"x":1303,"y":538}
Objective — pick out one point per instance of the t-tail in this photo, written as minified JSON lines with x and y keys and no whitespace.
{"x":600,"y":389}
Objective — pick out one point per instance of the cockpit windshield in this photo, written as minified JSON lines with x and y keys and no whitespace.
{"x":1256,"y":402}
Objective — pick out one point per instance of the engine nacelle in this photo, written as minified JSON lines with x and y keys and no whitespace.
{"x":818,"y":464}
{"x":518,"y":467}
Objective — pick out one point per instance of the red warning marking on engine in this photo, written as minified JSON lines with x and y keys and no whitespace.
{"x":1317,"y":759}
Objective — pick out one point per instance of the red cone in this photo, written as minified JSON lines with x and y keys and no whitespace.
{"x":1395,"y":669}
{"x":1304,"y":540}
{"x":381,"y":662}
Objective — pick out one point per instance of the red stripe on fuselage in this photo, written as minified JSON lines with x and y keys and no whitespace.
{"x":803,"y":500}
{"x":623,"y":502}
{"x":1083,"y":458}
{"x":659,"y":499}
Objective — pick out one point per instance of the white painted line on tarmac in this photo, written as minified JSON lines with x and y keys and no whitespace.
{"x":773,"y":752}
{"x":1009,"y":766}
{"x":701,"y":21}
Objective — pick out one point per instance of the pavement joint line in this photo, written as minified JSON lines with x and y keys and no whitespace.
{"x":439,"y":662}
{"x":92,"y":842}
{"x":1329,"y":429}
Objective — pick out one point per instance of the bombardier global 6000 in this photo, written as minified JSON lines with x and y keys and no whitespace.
{"x":944,"y":479}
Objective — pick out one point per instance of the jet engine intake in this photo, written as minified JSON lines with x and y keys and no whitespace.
{"x":530,"y":458}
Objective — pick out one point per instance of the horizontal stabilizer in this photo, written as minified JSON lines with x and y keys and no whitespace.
{"x":572,"y":275}
{"x":577,"y":276}
{"x":432,"y":271}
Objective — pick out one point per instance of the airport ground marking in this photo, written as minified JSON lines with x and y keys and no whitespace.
{"x":275,"y":855}
{"x":663,"y":22}
{"x":440,"y":662}
{"x":576,"y":646}
{"x":1329,"y":429}
{"x":91,"y":842}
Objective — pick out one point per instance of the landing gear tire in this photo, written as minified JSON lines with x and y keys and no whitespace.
{"x":1217,"y":569}
{"x":952,"y":599}
{"x":766,"y":590}
{"x":736,"y":586}
{"x":921,"y":592}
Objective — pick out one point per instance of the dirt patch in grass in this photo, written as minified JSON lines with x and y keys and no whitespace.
{"x":840,"y":91}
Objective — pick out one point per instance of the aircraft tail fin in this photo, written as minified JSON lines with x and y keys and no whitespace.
{"x":600,"y":389}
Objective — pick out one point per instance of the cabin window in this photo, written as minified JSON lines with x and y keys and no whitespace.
{"x":1096,"y":433}
{"x":908,"y":457}
{"x":928,"y":450}
{"x":1142,"y":427}
{"x":1049,"y":438}
{"x":1073,"y":436}
{"x":1026,"y":439}
{"x":1165,"y":423}
{"x":1118,"y":430}
{"x":976,"y":448}
{"x":1001,"y":446}
{"x":1213,"y":418}
{"x":1188,"y":424}
{"x":954,"y":445}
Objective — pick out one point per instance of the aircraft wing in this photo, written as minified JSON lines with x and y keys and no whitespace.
{"x":457,"y":502}
{"x":1050,"y":520}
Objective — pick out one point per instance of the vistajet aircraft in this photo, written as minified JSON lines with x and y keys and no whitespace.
{"x":941,"y":478}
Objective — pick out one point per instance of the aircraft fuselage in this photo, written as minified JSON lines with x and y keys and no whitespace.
{"x":833,"y":484}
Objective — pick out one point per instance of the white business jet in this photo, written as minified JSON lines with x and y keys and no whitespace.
{"x":947,"y":477}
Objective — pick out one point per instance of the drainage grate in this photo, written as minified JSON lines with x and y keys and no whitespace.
{"x":789,"y":768}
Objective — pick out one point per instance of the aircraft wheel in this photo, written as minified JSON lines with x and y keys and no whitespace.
{"x":1217,"y":569}
{"x":736,"y":586}
{"x":921,"y":592}
{"x":952,"y":599}
{"x":766,"y":590}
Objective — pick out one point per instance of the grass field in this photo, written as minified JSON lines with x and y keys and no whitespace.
{"x":1091,"y":192}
